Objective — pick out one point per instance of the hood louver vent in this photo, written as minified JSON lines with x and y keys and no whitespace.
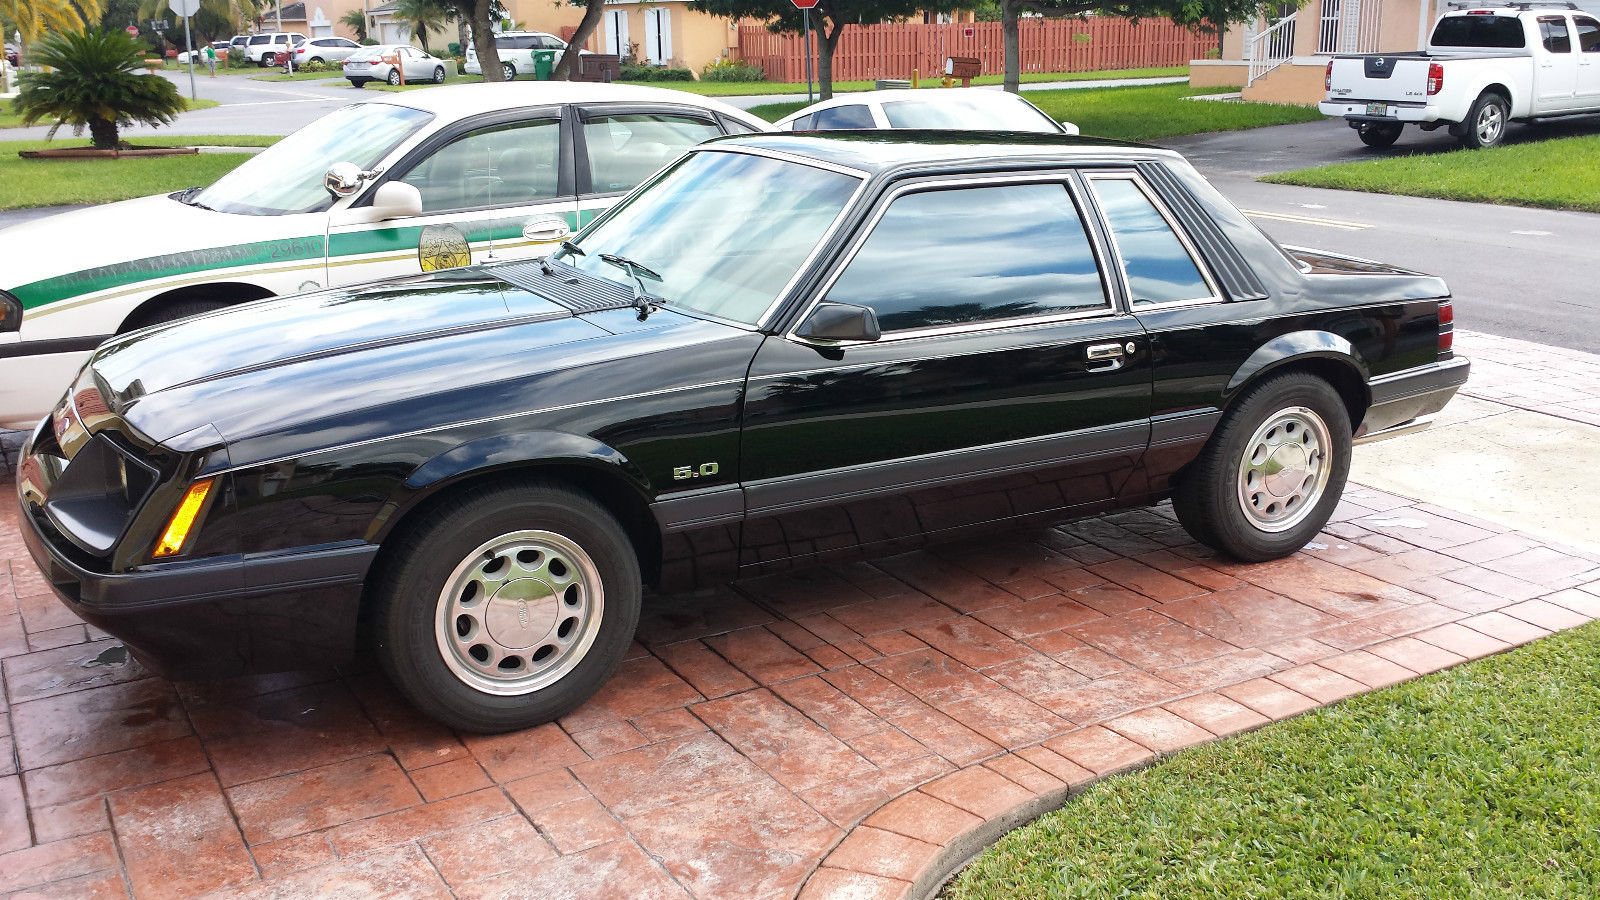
{"x":567,"y":288}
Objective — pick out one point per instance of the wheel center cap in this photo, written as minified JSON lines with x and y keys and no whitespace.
{"x":521,"y":614}
{"x":1285,"y":470}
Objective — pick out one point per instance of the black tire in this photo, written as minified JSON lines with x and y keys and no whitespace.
{"x":438,"y":75}
{"x":1486,"y":122}
{"x":318,"y":60}
{"x":1380,"y":136}
{"x":1208,"y":498}
{"x":172,"y":312}
{"x":509,"y":70}
{"x":266,"y":61}
{"x":359,"y":82}
{"x":407,"y":596}
{"x":394,"y":76}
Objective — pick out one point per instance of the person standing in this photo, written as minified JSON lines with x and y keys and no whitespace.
{"x":211,"y":60}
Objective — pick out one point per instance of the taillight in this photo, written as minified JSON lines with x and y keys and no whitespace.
{"x":1435,"y":78}
{"x":1327,"y":77}
{"x":1447,"y":327}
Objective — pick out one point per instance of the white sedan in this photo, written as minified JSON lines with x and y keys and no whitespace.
{"x":397,"y":185}
{"x":377,"y":64}
{"x":943,"y":109}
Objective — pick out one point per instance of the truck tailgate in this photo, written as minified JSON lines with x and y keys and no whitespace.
{"x":1394,"y":79}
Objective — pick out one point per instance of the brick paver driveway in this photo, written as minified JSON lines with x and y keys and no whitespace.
{"x":851,"y":731}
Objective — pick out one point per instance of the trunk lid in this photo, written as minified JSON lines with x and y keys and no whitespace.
{"x":1388,"y":78}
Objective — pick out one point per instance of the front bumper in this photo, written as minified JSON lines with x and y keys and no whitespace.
{"x":1356,"y":111}
{"x":216,"y":617}
{"x":1406,"y":401}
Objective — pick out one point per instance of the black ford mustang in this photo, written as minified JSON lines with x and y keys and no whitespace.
{"x":781,"y":350}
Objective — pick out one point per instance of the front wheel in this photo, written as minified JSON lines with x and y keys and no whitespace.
{"x":1486,"y":122}
{"x":394,"y":77}
{"x":1273,"y":471}
{"x":438,"y":75}
{"x":1379,"y":136}
{"x":507,"y":607}
{"x":510,"y":70}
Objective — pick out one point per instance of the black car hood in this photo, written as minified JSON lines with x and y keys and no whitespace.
{"x":310,"y":361}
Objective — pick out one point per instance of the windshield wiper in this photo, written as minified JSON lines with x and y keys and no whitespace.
{"x":187,"y":197}
{"x":642,"y":299}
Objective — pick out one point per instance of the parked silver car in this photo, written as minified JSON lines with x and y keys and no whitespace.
{"x":325,"y":50}
{"x":371,"y":64}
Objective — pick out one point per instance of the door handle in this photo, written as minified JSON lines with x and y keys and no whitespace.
{"x":1103,"y":357}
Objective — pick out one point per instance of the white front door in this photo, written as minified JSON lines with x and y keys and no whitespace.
{"x":1556,"y":77}
{"x":617,"y":32}
{"x":658,"y":36}
{"x":1587,"y":95}
{"x":478,"y":193}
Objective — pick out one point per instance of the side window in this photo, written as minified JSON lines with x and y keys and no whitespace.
{"x":626,"y":149}
{"x":849,"y":116}
{"x":802,"y":124}
{"x":1159,"y":267}
{"x":1553,"y":31}
{"x":505,"y":165}
{"x":1588,"y":34}
{"x":982,"y":254}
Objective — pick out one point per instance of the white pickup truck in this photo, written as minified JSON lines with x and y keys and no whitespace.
{"x":1484,"y":66}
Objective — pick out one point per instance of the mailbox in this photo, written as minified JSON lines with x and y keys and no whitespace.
{"x":965,"y":68}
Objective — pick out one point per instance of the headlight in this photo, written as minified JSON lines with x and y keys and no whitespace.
{"x":10,"y":313}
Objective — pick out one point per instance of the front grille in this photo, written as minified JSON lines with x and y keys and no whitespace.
{"x":567,"y":288}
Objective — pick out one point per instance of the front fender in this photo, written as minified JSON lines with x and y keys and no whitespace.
{"x":1297,"y":346}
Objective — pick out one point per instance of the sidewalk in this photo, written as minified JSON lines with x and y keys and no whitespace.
{"x":856,"y":731}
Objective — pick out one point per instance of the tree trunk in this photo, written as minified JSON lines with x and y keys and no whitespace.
{"x":461,"y":32}
{"x":827,"y":42}
{"x":103,"y":132}
{"x":568,"y":66}
{"x":1008,"y":27}
{"x":483,"y":41}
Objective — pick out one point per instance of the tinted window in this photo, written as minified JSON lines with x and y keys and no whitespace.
{"x":507,"y":165}
{"x":1499,"y":32}
{"x":801,"y":124}
{"x":854,"y":115}
{"x":625,"y":150}
{"x":974,"y":255}
{"x":1159,"y":269}
{"x":1588,"y":34}
{"x":1553,"y":31}
{"x":260,"y":39}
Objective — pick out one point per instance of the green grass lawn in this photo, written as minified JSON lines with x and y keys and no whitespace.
{"x":758,"y":88}
{"x":279,"y":75}
{"x":9,"y":119}
{"x":1562,"y":173}
{"x":1482,"y":781}
{"x":52,"y":182}
{"x":1139,"y":113}
{"x":449,"y":79}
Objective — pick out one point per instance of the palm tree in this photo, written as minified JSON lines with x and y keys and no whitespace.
{"x":33,"y":18}
{"x":95,"y":78}
{"x":426,"y":17}
{"x":356,"y":21}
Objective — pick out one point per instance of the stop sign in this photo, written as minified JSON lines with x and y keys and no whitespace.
{"x":804,"y":4}
{"x":133,"y":30}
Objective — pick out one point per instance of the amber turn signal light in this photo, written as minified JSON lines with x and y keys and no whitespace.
{"x":182,"y":521}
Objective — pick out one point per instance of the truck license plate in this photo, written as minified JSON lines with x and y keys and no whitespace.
{"x":1377,"y":109}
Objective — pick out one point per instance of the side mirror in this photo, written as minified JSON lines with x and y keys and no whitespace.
{"x":395,"y":200}
{"x":546,"y":230}
{"x":343,"y":179}
{"x":1069,"y":128}
{"x":832,"y":322}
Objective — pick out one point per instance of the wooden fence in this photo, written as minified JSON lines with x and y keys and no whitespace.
{"x":1045,"y":45}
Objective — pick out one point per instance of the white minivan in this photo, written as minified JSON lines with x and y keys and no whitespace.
{"x":516,"y":52}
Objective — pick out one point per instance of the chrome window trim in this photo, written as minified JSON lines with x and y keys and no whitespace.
{"x":998,"y":180}
{"x":1172,"y":224}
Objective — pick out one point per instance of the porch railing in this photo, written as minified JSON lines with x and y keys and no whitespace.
{"x":1271,"y":48}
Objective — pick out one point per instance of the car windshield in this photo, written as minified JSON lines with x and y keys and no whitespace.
{"x":959,"y":114}
{"x":287,"y":177}
{"x":724,"y":231}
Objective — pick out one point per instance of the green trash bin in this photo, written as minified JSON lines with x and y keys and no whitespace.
{"x":544,"y":63}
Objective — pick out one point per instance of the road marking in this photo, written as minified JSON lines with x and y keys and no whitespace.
{"x":1533,"y":233}
{"x":1311,"y":205}
{"x":1306,"y":220}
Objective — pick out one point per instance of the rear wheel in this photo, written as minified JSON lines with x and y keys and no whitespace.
{"x":172,"y":312}
{"x":1271,"y":475}
{"x":1486,"y":122}
{"x":507,"y":607}
{"x":509,"y":70}
{"x":359,"y":82}
{"x":318,"y":60}
{"x":1379,"y":135}
{"x":438,"y":75}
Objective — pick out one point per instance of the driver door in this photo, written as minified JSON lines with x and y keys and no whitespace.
{"x":482,"y":182}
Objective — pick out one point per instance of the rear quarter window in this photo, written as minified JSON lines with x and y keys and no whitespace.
{"x":1494,"y":32}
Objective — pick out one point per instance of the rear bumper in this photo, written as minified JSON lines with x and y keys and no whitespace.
{"x":1356,"y":111}
{"x":216,"y":617}
{"x":1405,"y":401}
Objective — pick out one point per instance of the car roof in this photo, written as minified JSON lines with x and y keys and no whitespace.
{"x":977,"y":96}
{"x":461,"y":100}
{"x":879,"y":151}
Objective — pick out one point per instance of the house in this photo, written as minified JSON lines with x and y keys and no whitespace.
{"x":323,"y":20}
{"x":653,"y":32}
